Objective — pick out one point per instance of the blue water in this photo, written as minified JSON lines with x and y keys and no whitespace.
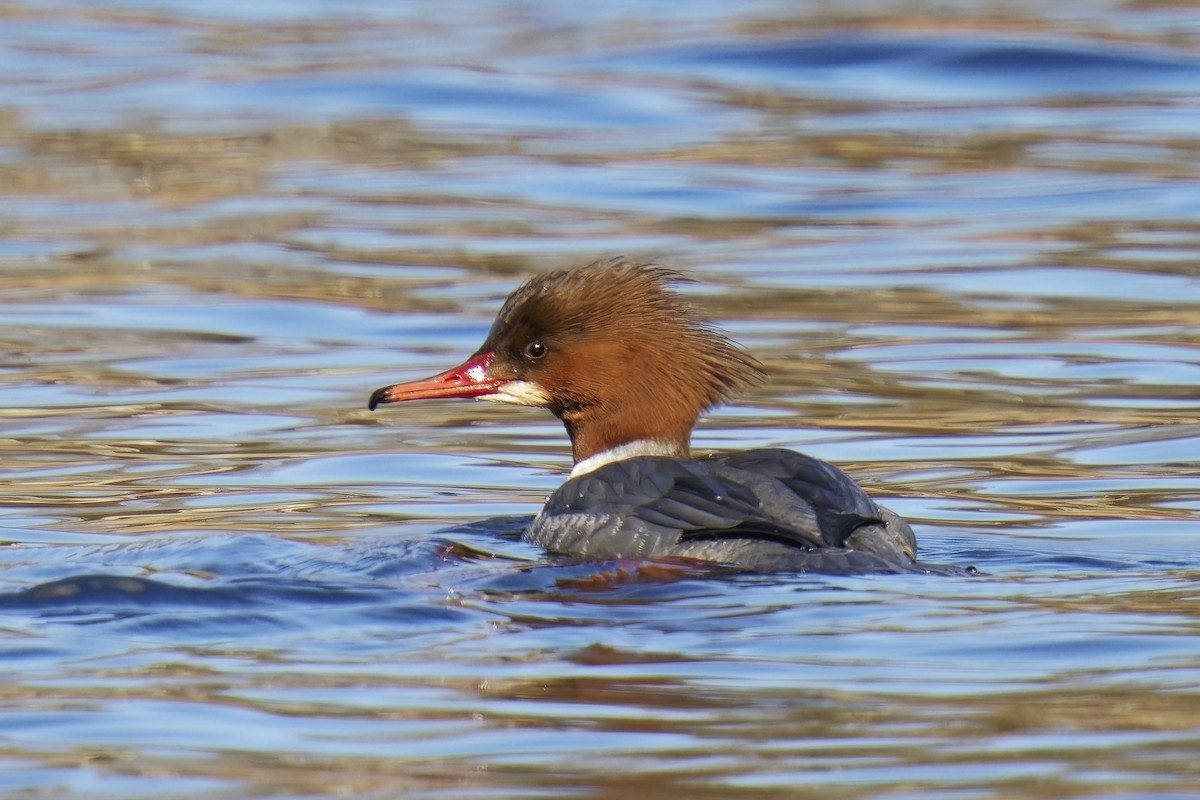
{"x":963,"y":241}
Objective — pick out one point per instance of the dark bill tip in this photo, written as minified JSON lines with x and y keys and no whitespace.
{"x":378,"y":397}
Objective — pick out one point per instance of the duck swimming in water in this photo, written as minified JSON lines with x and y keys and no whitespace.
{"x":628,"y":367}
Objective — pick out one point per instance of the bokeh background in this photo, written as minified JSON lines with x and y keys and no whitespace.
{"x":963,"y":237}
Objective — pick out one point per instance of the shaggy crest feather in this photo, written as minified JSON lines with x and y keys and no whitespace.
{"x":606,"y":296}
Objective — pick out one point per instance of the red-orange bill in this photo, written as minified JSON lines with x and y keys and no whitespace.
{"x":469,"y":379}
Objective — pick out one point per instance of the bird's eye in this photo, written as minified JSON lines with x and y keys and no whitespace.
{"x":535,"y":350}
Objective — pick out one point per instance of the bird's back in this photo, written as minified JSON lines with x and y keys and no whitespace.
{"x":767,"y":510}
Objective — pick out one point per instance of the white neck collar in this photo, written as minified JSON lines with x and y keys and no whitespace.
{"x":638,"y":447}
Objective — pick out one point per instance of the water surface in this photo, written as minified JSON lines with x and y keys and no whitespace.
{"x":964,"y":242}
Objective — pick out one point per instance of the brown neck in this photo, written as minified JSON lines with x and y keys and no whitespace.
{"x":594,"y":430}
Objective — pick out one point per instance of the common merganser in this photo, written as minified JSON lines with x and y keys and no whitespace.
{"x":629,"y":367}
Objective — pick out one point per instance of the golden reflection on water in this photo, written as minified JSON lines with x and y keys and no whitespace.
{"x":813,"y":373}
{"x":853,"y":739}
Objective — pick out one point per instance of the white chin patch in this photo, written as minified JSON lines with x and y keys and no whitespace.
{"x":521,"y":393}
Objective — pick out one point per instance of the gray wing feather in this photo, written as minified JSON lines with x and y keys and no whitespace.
{"x":656,"y":506}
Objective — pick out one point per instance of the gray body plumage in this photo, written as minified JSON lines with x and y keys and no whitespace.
{"x":762,"y":510}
